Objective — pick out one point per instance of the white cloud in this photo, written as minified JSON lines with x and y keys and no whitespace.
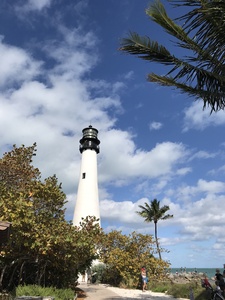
{"x":131,"y":162}
{"x":115,"y":211}
{"x":203,"y":154}
{"x":129,"y":75}
{"x":72,"y":54}
{"x":214,"y":187}
{"x":195,"y":221}
{"x":35,"y":5}
{"x":17,"y":65}
{"x":184,"y":171}
{"x":216,"y":171}
{"x":197,"y":118}
{"x":80,"y":7}
{"x":203,"y":219}
{"x":155,"y":125}
{"x":53,"y":111}
{"x":184,"y":193}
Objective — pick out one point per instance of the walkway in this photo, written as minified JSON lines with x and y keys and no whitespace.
{"x":98,"y":292}
{"x":104,"y":292}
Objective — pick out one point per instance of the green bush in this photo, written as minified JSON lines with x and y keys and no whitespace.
{"x":35,"y":290}
{"x":100,"y":270}
{"x":181,"y":291}
{"x":159,"y":286}
{"x":106,"y":274}
{"x":178,"y":290}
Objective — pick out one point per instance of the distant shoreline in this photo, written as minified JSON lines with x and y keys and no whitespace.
{"x":209,"y":272}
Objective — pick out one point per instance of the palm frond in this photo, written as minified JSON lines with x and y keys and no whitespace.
{"x":158,"y":14}
{"x":153,"y":212}
{"x":200,"y":74}
{"x":207,"y":22}
{"x":215,"y":100}
{"x":146,"y":49}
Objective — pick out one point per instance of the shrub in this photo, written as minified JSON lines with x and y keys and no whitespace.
{"x":178,"y":290}
{"x":35,"y":290}
{"x":100,"y":270}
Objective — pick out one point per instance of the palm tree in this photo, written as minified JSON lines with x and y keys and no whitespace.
{"x":200,"y":72}
{"x":154,"y":213}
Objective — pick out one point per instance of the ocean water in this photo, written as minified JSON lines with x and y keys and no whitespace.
{"x":210,"y":272}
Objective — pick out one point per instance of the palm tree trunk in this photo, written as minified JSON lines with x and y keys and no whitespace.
{"x":157,"y":243}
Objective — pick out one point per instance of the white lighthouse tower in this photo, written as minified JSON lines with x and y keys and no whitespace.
{"x":87,"y":203}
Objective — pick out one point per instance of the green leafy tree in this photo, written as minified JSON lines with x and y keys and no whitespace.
{"x":124,"y":255}
{"x":44,"y":248}
{"x":154,"y":213}
{"x":200,"y":71}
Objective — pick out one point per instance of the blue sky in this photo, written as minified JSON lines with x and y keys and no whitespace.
{"x":61,"y":71}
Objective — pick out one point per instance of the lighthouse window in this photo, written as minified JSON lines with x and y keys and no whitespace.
{"x":83,"y":175}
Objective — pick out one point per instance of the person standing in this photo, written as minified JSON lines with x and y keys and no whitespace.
{"x":205,"y":282}
{"x":220,"y":281}
{"x":144,"y":278}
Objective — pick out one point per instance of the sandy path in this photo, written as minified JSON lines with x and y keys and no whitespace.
{"x":105,"y":292}
{"x":138,"y":294}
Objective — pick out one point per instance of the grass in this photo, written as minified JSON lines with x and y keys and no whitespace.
{"x":178,"y":290}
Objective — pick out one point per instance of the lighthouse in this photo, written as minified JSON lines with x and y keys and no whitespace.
{"x":87,"y":203}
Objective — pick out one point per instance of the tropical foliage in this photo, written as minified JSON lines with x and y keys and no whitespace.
{"x":154,"y":213}
{"x":199,"y":71}
{"x":124,"y":255}
{"x":44,"y":248}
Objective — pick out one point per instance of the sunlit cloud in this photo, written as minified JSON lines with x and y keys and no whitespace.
{"x":197,"y":118}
